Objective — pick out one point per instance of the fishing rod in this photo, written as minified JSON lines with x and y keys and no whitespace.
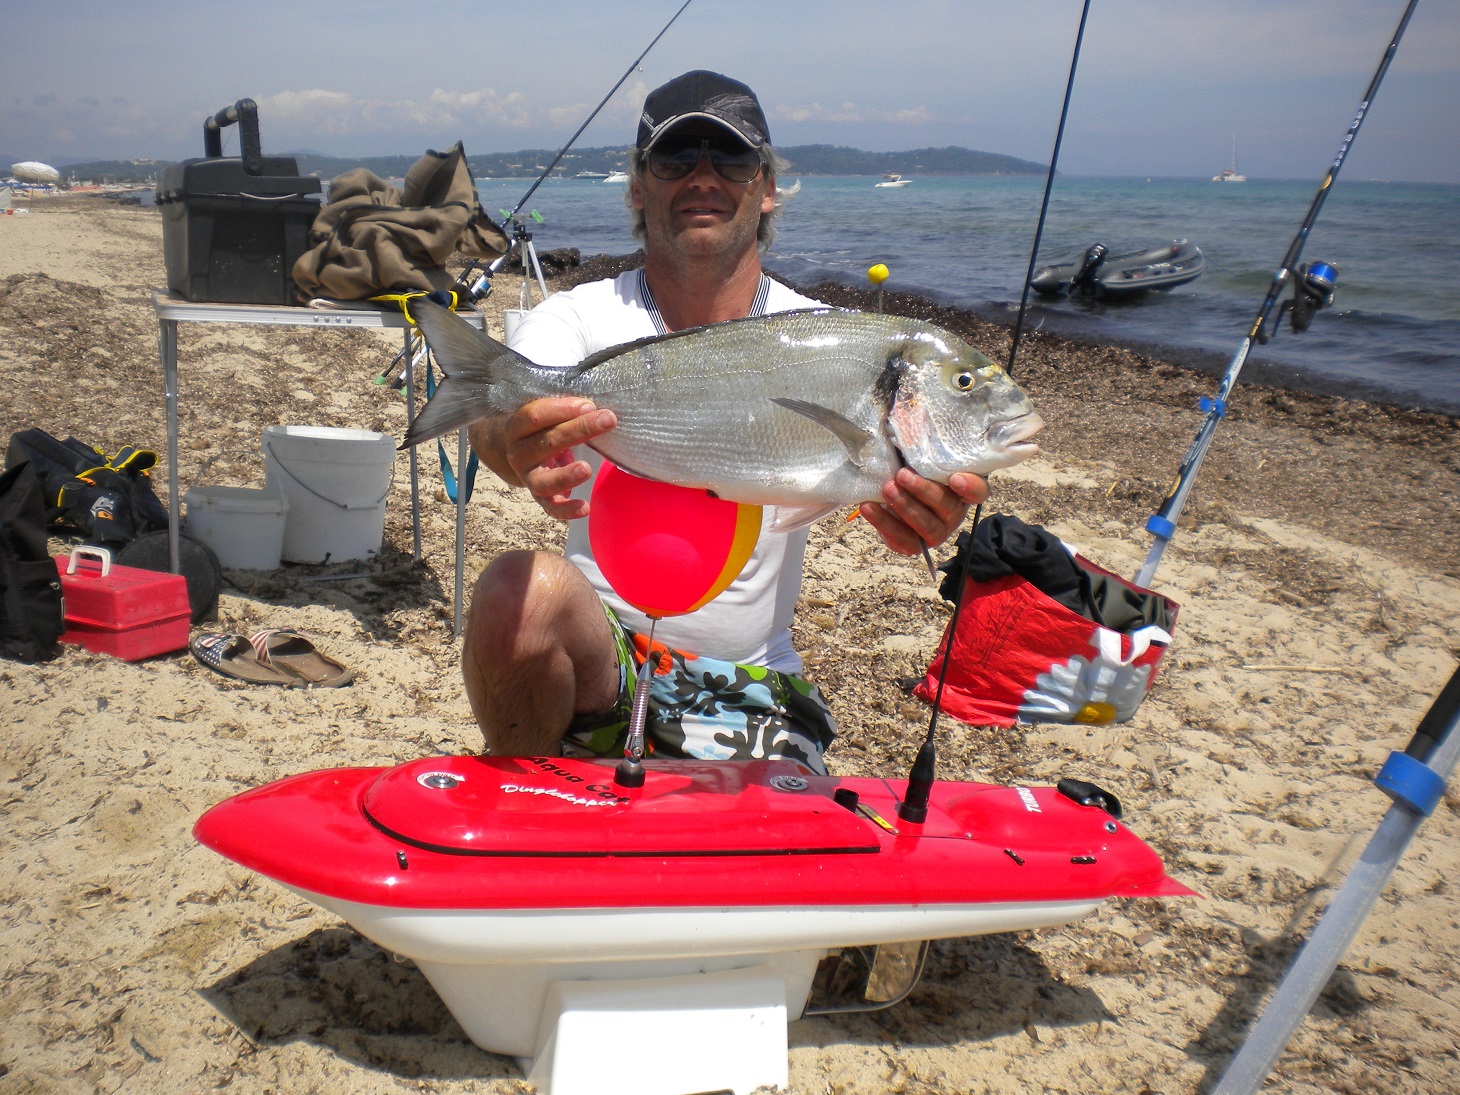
{"x":1314,"y":285}
{"x":510,"y":218}
{"x":1059,"y":136}
{"x":563,"y":151}
{"x":520,"y":239}
{"x":914,"y":807}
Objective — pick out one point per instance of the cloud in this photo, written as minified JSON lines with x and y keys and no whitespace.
{"x":338,"y":113}
{"x":851,"y":113}
{"x":568,"y":116}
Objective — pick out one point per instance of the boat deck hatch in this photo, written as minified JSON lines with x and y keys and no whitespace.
{"x":524,"y":806}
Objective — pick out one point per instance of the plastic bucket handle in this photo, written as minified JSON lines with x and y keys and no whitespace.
{"x":269,"y":449}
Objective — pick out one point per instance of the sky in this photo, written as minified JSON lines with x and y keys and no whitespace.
{"x":1163,"y":88}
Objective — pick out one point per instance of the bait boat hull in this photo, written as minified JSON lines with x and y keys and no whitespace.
{"x":503,"y":877}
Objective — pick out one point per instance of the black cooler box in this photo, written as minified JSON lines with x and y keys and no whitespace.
{"x":233,"y":227}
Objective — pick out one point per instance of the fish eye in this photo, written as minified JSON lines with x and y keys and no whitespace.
{"x":965,"y":380}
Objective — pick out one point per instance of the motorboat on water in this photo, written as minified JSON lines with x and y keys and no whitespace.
{"x":616,"y":177}
{"x":891,"y":182}
{"x":1099,"y":274}
{"x":557,"y":907}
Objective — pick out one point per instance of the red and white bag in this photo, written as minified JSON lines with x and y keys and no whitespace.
{"x":1021,"y":656}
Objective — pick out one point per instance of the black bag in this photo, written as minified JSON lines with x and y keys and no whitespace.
{"x":31,"y":616}
{"x":106,"y":501}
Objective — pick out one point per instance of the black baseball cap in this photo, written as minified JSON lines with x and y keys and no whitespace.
{"x":706,"y":95}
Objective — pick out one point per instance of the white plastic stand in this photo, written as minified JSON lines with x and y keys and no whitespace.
{"x":702,"y":1032}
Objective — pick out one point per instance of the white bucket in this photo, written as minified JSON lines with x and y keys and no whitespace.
{"x":510,"y":319}
{"x":244,"y":526}
{"x":336,"y":482}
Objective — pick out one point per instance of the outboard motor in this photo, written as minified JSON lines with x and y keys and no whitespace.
{"x":1084,"y":280}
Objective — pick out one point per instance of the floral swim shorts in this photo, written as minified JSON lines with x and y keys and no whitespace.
{"x":707,"y":709}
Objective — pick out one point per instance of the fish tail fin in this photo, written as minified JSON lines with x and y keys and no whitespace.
{"x":471,"y":363}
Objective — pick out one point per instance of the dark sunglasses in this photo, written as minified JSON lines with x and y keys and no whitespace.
{"x":671,"y":160}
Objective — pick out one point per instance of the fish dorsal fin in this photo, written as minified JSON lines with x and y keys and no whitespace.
{"x":853,"y":436}
{"x":790,"y":518}
{"x":592,"y":361}
{"x":610,"y":352}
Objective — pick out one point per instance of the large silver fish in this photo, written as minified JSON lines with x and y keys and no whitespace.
{"x":806,"y":410}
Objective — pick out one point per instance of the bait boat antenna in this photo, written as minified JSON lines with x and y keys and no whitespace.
{"x":1313,"y":289}
{"x":914,"y":807}
{"x":630,"y":770}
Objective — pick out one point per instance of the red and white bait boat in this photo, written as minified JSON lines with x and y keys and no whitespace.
{"x":530,"y":890}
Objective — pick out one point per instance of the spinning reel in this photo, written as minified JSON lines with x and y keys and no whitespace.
{"x":1312,"y":290}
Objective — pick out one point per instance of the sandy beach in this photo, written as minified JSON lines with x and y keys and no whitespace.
{"x":1317,"y":574}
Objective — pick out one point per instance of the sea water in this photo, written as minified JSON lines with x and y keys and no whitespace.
{"x":1392,"y":334}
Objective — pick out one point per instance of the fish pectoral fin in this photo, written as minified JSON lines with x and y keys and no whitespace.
{"x":790,"y":518}
{"x":853,"y":436}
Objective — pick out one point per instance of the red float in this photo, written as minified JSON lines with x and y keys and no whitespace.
{"x":667,"y":550}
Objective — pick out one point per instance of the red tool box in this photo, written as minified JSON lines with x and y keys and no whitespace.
{"x":127,"y":612}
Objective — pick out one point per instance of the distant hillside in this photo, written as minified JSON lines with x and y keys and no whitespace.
{"x":808,"y":159}
{"x":111,"y":171}
{"x":825,"y":159}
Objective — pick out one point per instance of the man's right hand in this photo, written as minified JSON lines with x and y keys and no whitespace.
{"x":530,"y":448}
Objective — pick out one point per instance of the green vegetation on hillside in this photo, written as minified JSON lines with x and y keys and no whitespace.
{"x":809,"y":159}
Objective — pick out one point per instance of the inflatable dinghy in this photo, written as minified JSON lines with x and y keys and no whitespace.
{"x":1099,"y":274}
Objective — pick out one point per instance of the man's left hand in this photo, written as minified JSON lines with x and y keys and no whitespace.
{"x":915,"y":512}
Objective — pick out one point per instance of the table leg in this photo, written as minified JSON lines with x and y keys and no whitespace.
{"x":415,"y":467}
{"x":167,"y":342}
{"x":463,"y":485}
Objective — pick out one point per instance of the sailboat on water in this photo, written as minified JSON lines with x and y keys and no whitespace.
{"x":1230,"y":174}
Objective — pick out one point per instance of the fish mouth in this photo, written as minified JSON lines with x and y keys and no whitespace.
{"x":1013,"y":434}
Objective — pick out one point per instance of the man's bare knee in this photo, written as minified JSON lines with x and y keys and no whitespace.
{"x":537,"y":651}
{"x":503,"y":598}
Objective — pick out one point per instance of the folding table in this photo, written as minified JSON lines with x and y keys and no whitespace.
{"x":172,"y":310}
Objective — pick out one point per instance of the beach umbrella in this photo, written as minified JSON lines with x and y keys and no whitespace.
{"x":1415,"y":779}
{"x":33,"y":171}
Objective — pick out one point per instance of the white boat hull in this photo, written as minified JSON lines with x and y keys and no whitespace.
{"x":494,"y":967}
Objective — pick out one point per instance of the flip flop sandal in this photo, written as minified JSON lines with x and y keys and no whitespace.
{"x":233,"y":656}
{"x":285,"y":650}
